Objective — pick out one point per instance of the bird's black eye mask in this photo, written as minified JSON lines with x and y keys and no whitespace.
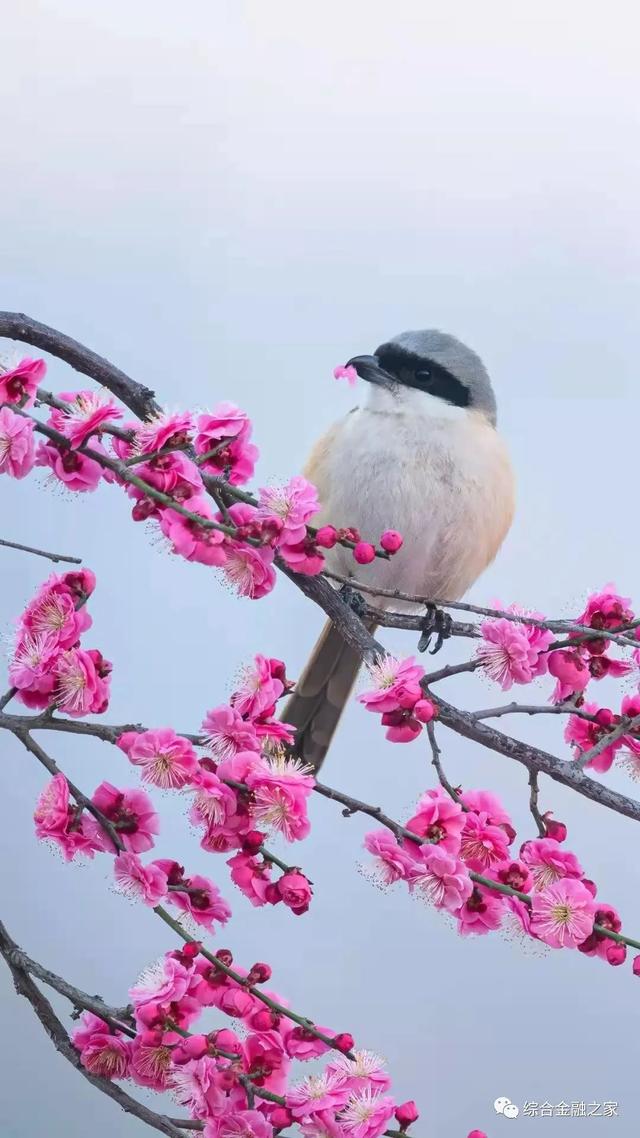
{"x":411,"y":370}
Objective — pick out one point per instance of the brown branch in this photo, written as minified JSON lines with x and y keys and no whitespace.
{"x":140,"y":399}
{"x":534,"y":791}
{"x":40,"y":552}
{"x":58,"y":1035}
{"x":436,"y":754}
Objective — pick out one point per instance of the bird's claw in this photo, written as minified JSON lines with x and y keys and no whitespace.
{"x":353,"y":599}
{"x":435,"y":621}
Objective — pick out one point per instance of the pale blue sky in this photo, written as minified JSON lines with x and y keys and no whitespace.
{"x":227,"y":199}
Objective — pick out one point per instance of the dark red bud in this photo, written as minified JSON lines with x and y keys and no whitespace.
{"x":343,"y":1042}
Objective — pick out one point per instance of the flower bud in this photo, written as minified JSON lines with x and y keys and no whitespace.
{"x":326,"y":537}
{"x":391,"y":540}
{"x":281,"y":1117}
{"x":555,"y":830}
{"x":424,"y":710}
{"x":225,"y":956}
{"x":343,"y":1042}
{"x":364,"y":552}
{"x":636,"y":966}
{"x":616,"y":953}
{"x":252,"y":842}
{"x":259,"y":974}
{"x":406,"y":1113}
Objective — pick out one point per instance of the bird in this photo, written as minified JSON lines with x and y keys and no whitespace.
{"x":420,"y":454}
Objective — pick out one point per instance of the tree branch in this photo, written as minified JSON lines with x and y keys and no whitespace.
{"x":40,"y":552}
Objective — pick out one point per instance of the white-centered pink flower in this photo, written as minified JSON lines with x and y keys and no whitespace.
{"x":562,"y":915}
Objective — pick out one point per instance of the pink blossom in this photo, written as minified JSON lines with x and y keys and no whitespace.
{"x":84,"y":415}
{"x":17,"y":448}
{"x":239,"y":1124}
{"x":596,"y":943}
{"x":439,"y":819}
{"x":150,"y":1061}
{"x":562,"y":915}
{"x":322,"y":1124}
{"x":366,"y":1114}
{"x":132,"y":815}
{"x":303,"y":1045}
{"x":213,"y":803}
{"x":302,"y":556}
{"x":347,"y":372}
{"x":227,"y":430}
{"x":58,"y":821}
{"x":173,"y":473}
{"x":77,"y":471}
{"x":365,"y":1070}
{"x":192,"y":540}
{"x":484,"y":802}
{"x":195,"y":1086}
{"x":583,"y":734}
{"x":53,"y":612}
{"x":103,"y":1052}
{"x":440,"y":878}
{"x":571,"y":672}
{"x":81,"y":682}
{"x":263,"y":683}
{"x":266,"y":1061}
{"x":481,"y":913}
{"x":513,"y":653}
{"x":392,"y":862}
{"x":31,"y":669}
{"x":396,"y":684}
{"x":483,"y":845}
{"x":144,"y":883}
{"x":295,"y":890}
{"x":203,"y":901}
{"x":226,"y":732}
{"x":164,"y":981}
{"x":167,"y":760}
{"x":548,"y":862}
{"x":20,"y":383}
{"x":251,"y":876}
{"x":515,"y":873}
{"x":249,"y":569}
{"x":293,"y":505}
{"x":167,"y":428}
{"x":280,"y":788}
{"x":606,"y":610}
{"x":324,"y":1091}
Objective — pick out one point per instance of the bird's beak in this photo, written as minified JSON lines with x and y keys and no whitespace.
{"x":368,"y":367}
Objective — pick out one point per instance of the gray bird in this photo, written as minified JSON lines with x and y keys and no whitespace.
{"x":420,"y":454}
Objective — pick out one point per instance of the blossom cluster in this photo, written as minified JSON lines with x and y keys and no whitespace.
{"x":164,"y":465}
{"x":244,"y":780}
{"x":463,"y":864}
{"x":397,"y":696}
{"x":517,"y":653}
{"x":220,"y":1075}
{"x":48,"y":665}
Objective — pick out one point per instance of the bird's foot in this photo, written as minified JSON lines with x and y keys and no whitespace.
{"x":436,"y":622}
{"x":353,"y":599}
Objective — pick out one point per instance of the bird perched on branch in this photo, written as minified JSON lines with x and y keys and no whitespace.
{"x":421,"y":454}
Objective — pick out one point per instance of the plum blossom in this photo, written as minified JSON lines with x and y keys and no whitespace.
{"x":481,"y":913}
{"x":251,"y":876}
{"x":202,"y":900}
{"x":292,"y":505}
{"x":18,"y":384}
{"x":440,"y":878}
{"x":439,"y":820}
{"x":167,"y":760}
{"x":226,"y":732}
{"x":482,"y":845}
{"x":81,"y":682}
{"x":324,"y":1091}
{"x":584,"y":734}
{"x":513,"y":653}
{"x":164,"y":981}
{"x":226,"y":430}
{"x":281,"y":787}
{"x":366,"y":1069}
{"x":571,"y":671}
{"x":77,"y":471}
{"x":548,"y":862}
{"x":396,"y":683}
{"x":483,"y":801}
{"x":58,"y":821}
{"x":391,"y":862}
{"x":562,"y":915}
{"x":84,"y":415}
{"x":262,"y":685}
{"x":103,"y":1051}
{"x":366,"y":1114}
{"x":150,"y":1061}
{"x":143,"y":883}
{"x":191,"y":539}
{"x":17,"y":448}
{"x":295,"y":890}
{"x":166,"y":429}
{"x":131,"y":814}
{"x":606,"y":610}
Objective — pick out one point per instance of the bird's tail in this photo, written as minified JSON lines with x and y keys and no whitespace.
{"x":320,"y":695}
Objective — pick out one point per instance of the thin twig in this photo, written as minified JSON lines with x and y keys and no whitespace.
{"x":436,"y":761}
{"x":534,"y":790}
{"x":40,"y":552}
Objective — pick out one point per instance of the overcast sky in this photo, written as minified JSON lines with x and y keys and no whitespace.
{"x":227,"y":199}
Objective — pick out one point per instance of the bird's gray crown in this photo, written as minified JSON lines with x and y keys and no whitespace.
{"x":447,"y":353}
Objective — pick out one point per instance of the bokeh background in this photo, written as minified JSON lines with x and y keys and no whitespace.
{"x":227,"y":199}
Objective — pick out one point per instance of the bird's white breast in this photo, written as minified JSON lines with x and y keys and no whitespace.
{"x":439,"y":475}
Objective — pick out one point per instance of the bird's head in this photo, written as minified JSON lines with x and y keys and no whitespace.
{"x":434,"y":364}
